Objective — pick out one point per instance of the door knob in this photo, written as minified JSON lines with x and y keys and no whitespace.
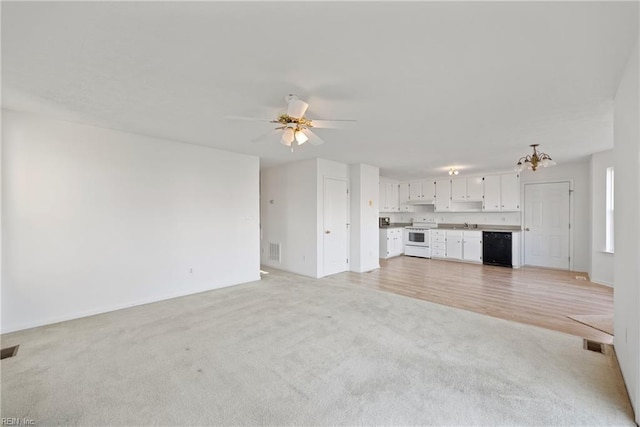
{"x":327,"y":232}
{"x":526,"y":229}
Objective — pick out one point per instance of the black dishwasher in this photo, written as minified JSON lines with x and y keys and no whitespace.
{"x":496,"y":248}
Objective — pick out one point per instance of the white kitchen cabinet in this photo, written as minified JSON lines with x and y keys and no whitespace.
{"x":443,"y":195}
{"x":388,"y":197}
{"x":510,"y":192}
{"x":429,"y":191}
{"x":438,"y":244}
{"x":383,"y":196}
{"x":391,"y":242}
{"x":403,"y":198}
{"x":454,"y":244}
{"x":466,"y":189}
{"x":501,"y":193}
{"x":475,"y":189}
{"x":459,"y":190}
{"x":472,"y":246}
{"x":491,"y":193}
{"x":421,"y":192}
{"x":415,"y":191}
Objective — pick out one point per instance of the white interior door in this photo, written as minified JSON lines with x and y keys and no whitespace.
{"x":547,"y":224}
{"x":335,"y":232}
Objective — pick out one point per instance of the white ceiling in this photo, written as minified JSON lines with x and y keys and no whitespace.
{"x":431,"y":84}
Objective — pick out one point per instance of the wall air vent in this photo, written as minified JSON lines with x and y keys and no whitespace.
{"x":274,"y":252}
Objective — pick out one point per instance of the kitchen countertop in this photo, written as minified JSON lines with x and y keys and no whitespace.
{"x":397,"y":225}
{"x":480,"y":227}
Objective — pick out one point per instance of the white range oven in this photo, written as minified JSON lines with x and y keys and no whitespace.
{"x":417,"y":238}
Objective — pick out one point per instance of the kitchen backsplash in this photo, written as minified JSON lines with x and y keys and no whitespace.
{"x":426,"y":211}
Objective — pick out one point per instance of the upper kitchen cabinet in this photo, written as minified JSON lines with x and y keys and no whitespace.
{"x":388,"y":197}
{"x":421,"y":192}
{"x":429,"y":190}
{"x":501,"y":193}
{"x":510,"y":192}
{"x":467,"y":189}
{"x":404,"y":197}
{"x":443,"y":195}
{"x":491,"y":193}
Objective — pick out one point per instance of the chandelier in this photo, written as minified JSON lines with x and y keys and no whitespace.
{"x":535,"y":160}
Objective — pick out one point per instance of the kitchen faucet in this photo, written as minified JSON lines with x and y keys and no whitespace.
{"x":466,"y":225}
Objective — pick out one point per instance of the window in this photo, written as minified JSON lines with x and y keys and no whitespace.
{"x":609,"y":207}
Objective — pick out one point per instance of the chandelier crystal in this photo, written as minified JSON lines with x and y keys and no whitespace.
{"x":534,"y":161}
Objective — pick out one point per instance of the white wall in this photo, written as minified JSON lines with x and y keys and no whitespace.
{"x":578,"y":173}
{"x":365,"y":246}
{"x":95,"y":220}
{"x":292,"y":213}
{"x":626,"y":154}
{"x":601,"y":261}
{"x":289,"y":206}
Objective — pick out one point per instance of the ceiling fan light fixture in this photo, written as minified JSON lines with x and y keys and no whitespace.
{"x":301,"y":137}
{"x":288,"y":136}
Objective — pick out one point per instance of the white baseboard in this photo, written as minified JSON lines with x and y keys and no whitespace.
{"x":602,"y":282}
{"x":116,"y":307}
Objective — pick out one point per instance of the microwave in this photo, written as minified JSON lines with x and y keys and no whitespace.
{"x":384,"y":221}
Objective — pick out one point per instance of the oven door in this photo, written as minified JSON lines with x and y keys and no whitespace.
{"x":416,"y":237}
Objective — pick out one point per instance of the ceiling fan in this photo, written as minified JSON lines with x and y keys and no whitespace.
{"x":295,"y":127}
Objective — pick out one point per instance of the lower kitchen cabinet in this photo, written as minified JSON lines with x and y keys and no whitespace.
{"x":391,"y":242}
{"x":457,"y":245}
{"x":438,"y":244}
{"x":454,"y":244}
{"x":472,"y":246}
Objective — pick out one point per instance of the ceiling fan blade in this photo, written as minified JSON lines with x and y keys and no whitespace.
{"x":252,"y":119}
{"x":332,"y":124}
{"x":296,"y":107}
{"x":313,"y":138}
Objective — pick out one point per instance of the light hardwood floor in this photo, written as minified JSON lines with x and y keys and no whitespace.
{"x":535,"y":296}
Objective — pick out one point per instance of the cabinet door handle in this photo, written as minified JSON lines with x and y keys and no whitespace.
{"x":526,"y":229}
{"x":327,"y":231}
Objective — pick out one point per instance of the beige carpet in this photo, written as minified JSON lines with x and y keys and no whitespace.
{"x":290,"y":350}
{"x":601,"y":322}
